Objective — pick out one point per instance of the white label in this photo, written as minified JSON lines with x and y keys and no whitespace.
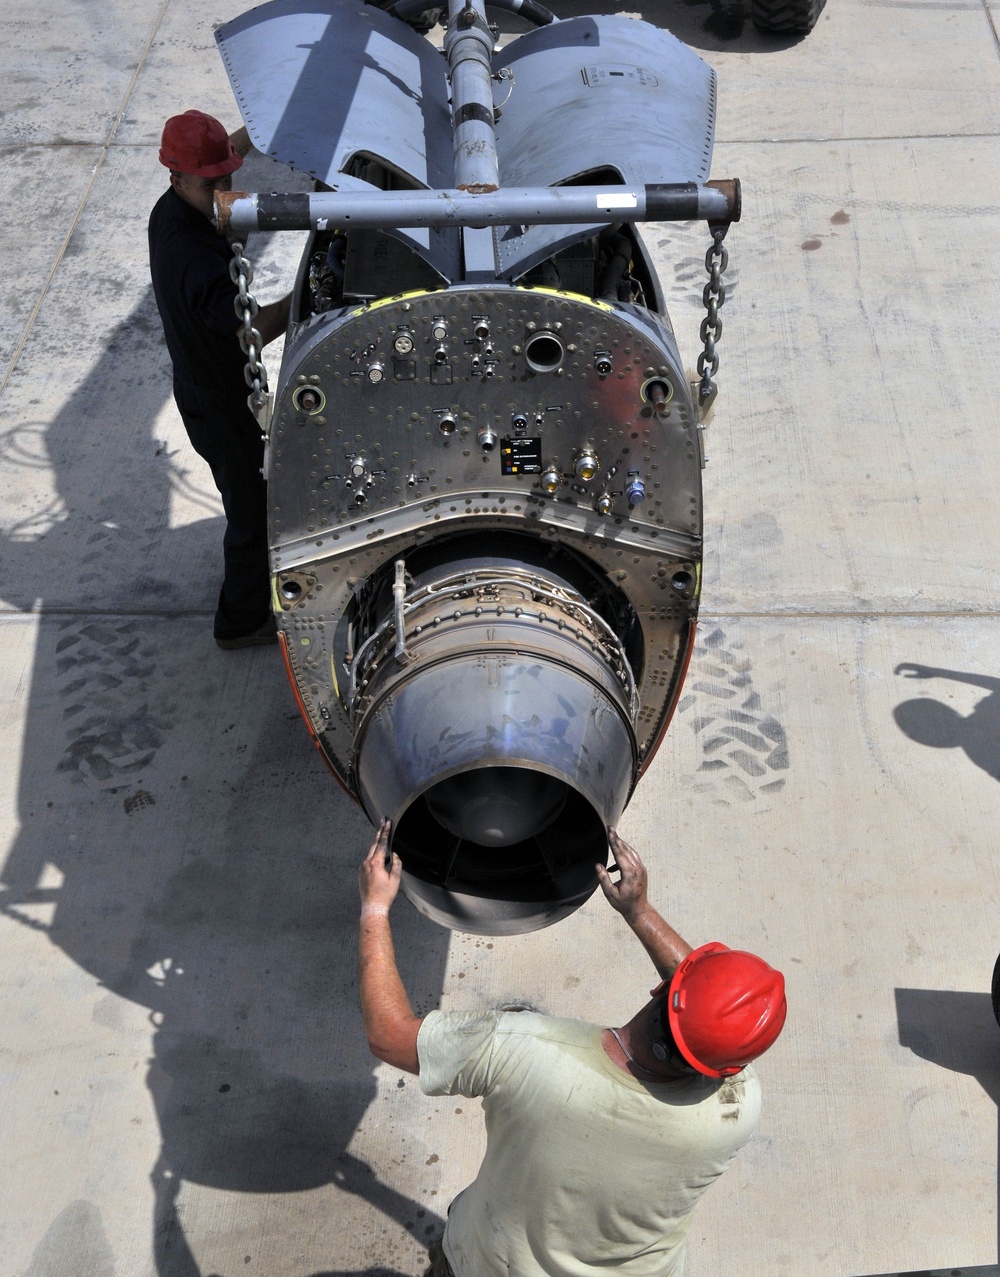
{"x":618,"y":73}
{"x":616,"y":200}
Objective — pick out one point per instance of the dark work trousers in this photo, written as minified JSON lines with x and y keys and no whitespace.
{"x":229,"y":439}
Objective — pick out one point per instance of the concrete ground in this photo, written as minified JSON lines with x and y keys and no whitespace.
{"x":185,"y":1089}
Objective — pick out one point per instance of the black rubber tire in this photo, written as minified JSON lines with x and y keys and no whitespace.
{"x":995,"y":990}
{"x":421,"y":20}
{"x":792,"y":17}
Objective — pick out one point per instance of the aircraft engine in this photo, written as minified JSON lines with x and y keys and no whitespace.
{"x":484,"y":455}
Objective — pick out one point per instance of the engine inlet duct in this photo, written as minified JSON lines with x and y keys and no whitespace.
{"x":484,"y":455}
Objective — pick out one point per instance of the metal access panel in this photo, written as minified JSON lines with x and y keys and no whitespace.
{"x":593,"y":94}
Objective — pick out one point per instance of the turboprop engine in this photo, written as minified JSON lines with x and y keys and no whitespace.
{"x":483,"y":455}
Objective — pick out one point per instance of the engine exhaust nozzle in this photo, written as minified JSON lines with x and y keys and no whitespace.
{"x":501,"y":748}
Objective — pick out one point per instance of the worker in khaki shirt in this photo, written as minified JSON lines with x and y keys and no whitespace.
{"x":599,"y":1141}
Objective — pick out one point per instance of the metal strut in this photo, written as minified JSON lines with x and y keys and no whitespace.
{"x":716,"y":201}
{"x":469,"y":48}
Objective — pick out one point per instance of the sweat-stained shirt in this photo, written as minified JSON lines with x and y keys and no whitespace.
{"x":586,"y":1169}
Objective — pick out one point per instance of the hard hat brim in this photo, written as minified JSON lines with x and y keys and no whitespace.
{"x":229,"y":165}
{"x":676,"y":1030}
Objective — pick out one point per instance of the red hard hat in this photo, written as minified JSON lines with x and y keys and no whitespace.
{"x":197,"y":143}
{"x":725,"y":1007}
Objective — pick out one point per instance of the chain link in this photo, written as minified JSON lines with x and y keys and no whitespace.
{"x":713,"y":298}
{"x":247,"y":308}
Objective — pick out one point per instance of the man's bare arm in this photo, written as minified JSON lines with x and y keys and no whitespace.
{"x":628,"y":896}
{"x":272,"y":319}
{"x":390,"y":1025}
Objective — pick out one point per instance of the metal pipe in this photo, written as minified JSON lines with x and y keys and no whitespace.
{"x":238,"y":212}
{"x":469,"y":46}
{"x":398,"y":599}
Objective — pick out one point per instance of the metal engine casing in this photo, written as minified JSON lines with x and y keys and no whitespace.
{"x":386,"y":470}
{"x":485,"y":497}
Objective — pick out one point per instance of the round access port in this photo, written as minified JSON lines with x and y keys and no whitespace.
{"x":586,"y":465}
{"x":682,"y":581}
{"x":543,"y":352}
{"x":290,"y":590}
{"x":309,"y":399}
{"x":658,"y":392}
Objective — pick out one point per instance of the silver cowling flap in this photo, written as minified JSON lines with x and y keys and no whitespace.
{"x":323,"y":81}
{"x":596,"y":93}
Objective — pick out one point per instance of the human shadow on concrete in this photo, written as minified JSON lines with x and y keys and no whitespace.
{"x":930,"y":722}
{"x":205,"y":859}
{"x":958,"y":1032}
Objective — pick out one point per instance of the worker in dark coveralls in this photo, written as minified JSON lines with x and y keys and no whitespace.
{"x":599,"y":1141}
{"x":189,"y":263}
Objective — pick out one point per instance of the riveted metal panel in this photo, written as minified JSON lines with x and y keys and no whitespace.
{"x":321,"y":81}
{"x":596,"y":93}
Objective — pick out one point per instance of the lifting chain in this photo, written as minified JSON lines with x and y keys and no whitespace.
{"x":246,"y":307}
{"x":714,"y":298}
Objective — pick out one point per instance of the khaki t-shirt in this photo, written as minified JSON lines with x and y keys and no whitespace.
{"x":586,"y":1168}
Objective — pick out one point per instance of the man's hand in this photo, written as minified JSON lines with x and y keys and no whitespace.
{"x":380,"y":873}
{"x":628,"y":894}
